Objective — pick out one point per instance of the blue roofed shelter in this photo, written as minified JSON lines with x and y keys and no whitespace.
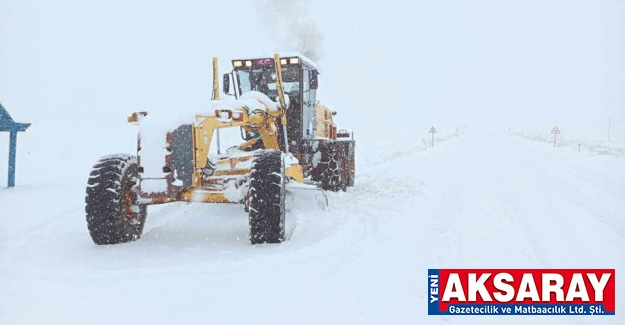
{"x":8,"y":125}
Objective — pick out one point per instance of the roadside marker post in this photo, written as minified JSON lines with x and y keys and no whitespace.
{"x":555,"y":133}
{"x":432,"y":130}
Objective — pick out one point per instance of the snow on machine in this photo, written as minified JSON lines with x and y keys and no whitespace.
{"x":288,"y":143}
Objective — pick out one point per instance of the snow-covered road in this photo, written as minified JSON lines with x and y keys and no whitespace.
{"x":480,"y":201}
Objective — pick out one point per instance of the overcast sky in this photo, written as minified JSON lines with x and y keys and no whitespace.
{"x":75,"y":69}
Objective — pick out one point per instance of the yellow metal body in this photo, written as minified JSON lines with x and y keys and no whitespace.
{"x":324,"y":121}
{"x":279,"y":83}
{"x":295,"y":172}
{"x":215,"y":79}
{"x":263,"y":122}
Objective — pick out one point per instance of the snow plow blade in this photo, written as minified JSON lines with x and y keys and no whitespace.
{"x":306,"y":196}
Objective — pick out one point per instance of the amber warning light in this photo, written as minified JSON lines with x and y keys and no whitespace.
{"x":264,"y":62}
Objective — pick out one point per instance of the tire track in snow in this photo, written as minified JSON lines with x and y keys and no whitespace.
{"x":579,"y":195}
{"x":471,"y":217}
{"x":511,"y":198}
{"x":568,"y":236}
{"x":324,"y":236}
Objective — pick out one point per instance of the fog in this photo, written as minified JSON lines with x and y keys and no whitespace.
{"x":76,"y":69}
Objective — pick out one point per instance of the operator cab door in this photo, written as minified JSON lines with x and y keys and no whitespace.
{"x":309,"y":125}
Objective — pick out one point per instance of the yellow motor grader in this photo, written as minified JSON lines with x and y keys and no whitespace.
{"x":292,"y":140}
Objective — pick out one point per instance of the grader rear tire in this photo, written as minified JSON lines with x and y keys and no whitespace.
{"x":335,"y":167}
{"x":267,"y":198}
{"x":113,"y":216}
{"x":351,"y":163}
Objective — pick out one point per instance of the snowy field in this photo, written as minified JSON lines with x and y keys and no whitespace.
{"x":477,"y":201}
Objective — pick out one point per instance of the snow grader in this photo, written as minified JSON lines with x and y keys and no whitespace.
{"x":288,"y":141}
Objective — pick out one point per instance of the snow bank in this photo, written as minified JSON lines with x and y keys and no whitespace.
{"x":577,"y":144}
{"x":388,"y":149}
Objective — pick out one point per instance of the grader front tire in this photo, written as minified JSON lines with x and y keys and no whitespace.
{"x":267,"y":198}
{"x":113,"y":216}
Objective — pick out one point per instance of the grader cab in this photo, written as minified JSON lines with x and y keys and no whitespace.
{"x":288,"y":138}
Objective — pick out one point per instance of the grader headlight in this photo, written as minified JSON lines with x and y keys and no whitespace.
{"x":237,"y":116}
{"x":238,"y":64}
{"x":294,"y":61}
{"x":136,"y":117}
{"x":223,"y":115}
{"x":227,"y":115}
